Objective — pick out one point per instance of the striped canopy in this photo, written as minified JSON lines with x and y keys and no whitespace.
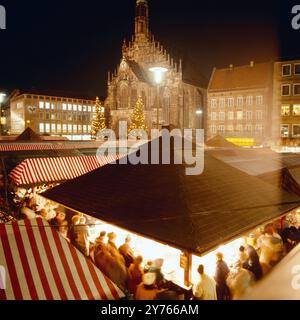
{"x":39,"y":264}
{"x":46,"y":170}
{"x":12,"y":147}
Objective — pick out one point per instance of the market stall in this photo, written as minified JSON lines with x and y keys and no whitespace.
{"x":41,"y":265}
{"x":192,"y":214}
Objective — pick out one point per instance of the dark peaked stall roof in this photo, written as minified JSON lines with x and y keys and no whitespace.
{"x":161,"y":202}
{"x":28,"y":135}
{"x":220,"y":142}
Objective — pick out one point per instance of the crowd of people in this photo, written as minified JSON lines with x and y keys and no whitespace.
{"x":144,"y":280}
{"x":254,"y":262}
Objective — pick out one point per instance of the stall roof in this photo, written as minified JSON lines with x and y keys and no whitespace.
{"x":278,"y":285}
{"x":45,"y":170}
{"x":193,"y":213}
{"x":220,"y":142}
{"x":28,"y":135}
{"x":41,"y":265}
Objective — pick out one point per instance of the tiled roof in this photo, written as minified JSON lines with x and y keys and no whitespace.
{"x":241,"y":77}
{"x":194,"y":213}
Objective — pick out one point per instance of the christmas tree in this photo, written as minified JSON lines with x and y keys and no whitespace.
{"x":138,"y":117}
{"x":99,"y":122}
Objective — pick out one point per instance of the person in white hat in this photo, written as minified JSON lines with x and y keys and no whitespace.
{"x":147,"y":290}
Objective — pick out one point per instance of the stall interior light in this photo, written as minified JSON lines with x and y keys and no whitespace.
{"x":158,"y":73}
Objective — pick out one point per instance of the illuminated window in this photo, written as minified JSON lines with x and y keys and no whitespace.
{"x":53,"y":116}
{"x":53,"y":127}
{"x":213,"y":103}
{"x":297,"y":69}
{"x":284,"y":130}
{"x":259,"y":115}
{"x":79,"y":128}
{"x":297,"y":89}
{"x":89,"y":128}
{"x":58,"y":128}
{"x":65,"y":128}
{"x":80,"y":108}
{"x":222,"y":102}
{"x":213,"y":129}
{"x":230,"y":115}
{"x":74,"y":107}
{"x":259,"y":128}
{"x":239,"y":115}
{"x":259,"y":100}
{"x":64,"y":106}
{"x":94,"y":109}
{"x":230,"y":102}
{"x":69,"y":128}
{"x":222,"y":116}
{"x":42,"y":128}
{"x":230,"y":128}
{"x":52,"y":106}
{"x":42,"y":105}
{"x":74,"y":128}
{"x":47,"y":105}
{"x":221,"y":128}
{"x":239,"y":128}
{"x":240,"y":101}
{"x":249,"y":100}
{"x":249,"y":115}
{"x":296,"y":109}
{"x":85,"y":108}
{"x":248,"y":127}
{"x":285,"y":110}
{"x":85,"y":128}
{"x":70,"y":107}
{"x":285,"y":90}
{"x":296,"y":130}
{"x":286,"y":70}
{"x":213,"y":116}
{"x":47,"y":127}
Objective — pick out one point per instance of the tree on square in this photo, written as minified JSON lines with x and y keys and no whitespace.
{"x":99,"y":121}
{"x":138,"y":119}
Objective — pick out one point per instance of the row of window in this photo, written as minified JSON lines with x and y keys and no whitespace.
{"x":286,"y":89}
{"x":64,"y":128}
{"x":287,"y":130}
{"x":237,"y":128}
{"x":66,"y":116}
{"x":239,"y":115}
{"x":66,"y":107}
{"x":286,"y":70}
{"x":290,"y":110}
{"x":240,"y":101}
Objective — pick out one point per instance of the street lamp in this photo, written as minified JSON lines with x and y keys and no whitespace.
{"x":2,"y":97}
{"x":158,"y":78}
{"x":199,"y":114}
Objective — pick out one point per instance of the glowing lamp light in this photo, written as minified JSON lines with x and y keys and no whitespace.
{"x":2,"y":96}
{"x":158,"y":73}
{"x":199,"y":112}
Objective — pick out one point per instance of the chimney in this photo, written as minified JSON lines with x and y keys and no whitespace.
{"x":251,"y":64}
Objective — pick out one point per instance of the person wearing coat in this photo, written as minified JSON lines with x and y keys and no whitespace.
{"x":135,"y":273}
{"x":253,"y":263}
{"x":147,"y":290}
{"x":221,"y":274}
{"x":112,"y":247}
{"x":206,"y":289}
{"x":126,"y":251}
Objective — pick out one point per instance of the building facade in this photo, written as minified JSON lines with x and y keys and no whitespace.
{"x":51,"y":115}
{"x":179,"y":100}
{"x":286,"y":126}
{"x":240,"y":103}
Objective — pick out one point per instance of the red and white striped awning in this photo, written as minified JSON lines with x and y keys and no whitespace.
{"x":12,"y":147}
{"x":46,"y":170}
{"x":39,"y":264}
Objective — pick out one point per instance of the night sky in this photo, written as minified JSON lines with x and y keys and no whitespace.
{"x":71,"y":45}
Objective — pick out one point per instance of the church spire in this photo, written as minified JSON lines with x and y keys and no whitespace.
{"x":142,"y":19}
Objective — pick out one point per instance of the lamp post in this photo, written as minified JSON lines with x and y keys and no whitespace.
{"x":199,"y":114}
{"x":2,"y":97}
{"x":158,"y":78}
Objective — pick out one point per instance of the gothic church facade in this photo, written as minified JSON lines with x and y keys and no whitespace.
{"x":181,"y":103}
